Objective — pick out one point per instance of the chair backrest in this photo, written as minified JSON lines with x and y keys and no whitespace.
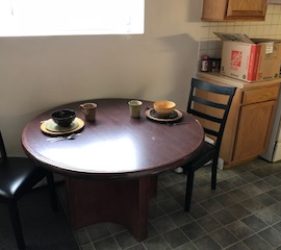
{"x":210,"y":104}
{"x":3,"y":155}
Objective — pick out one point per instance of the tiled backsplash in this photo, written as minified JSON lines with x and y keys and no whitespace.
{"x":270,"y":28}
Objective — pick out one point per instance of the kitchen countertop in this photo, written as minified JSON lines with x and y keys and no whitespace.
{"x":235,"y":82}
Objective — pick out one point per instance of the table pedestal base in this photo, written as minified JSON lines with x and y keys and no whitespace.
{"x":120,"y":201}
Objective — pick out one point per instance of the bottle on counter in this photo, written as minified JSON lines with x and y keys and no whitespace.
{"x":204,"y":64}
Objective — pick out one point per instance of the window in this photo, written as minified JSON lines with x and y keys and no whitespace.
{"x":71,"y":17}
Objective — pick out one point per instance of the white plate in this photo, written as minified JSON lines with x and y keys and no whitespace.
{"x":51,"y":128}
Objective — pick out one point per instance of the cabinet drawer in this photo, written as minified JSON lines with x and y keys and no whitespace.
{"x":260,"y":95}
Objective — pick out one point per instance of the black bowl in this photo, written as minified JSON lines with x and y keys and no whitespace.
{"x":64,"y":117}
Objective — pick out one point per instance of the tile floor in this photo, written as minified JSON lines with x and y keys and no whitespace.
{"x":243,"y":213}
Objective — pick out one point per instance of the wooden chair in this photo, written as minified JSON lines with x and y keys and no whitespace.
{"x":18,"y":176}
{"x":210,"y":104}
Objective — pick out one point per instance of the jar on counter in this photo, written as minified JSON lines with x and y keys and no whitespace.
{"x":204,"y":64}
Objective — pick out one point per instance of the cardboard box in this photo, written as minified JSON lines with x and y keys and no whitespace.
{"x":250,"y":59}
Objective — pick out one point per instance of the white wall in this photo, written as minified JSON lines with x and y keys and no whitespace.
{"x":39,"y":73}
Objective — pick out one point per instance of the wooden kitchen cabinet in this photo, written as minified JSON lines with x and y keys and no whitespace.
{"x":250,"y":118}
{"x":223,"y":10}
{"x":253,"y":129}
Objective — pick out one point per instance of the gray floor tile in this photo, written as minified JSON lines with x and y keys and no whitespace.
{"x":231,"y":183}
{"x":88,"y":246}
{"x":209,"y":223}
{"x":155,"y":211}
{"x":181,"y":218}
{"x":264,"y":186}
{"x":176,"y":189}
{"x":224,"y":216}
{"x":156,"y":243}
{"x":273,"y":180}
{"x":139,"y":246}
{"x":98,"y":231}
{"x":249,"y":177}
{"x":125,"y":239}
{"x":211,"y":205}
{"x":256,"y":243}
{"x":193,"y":230}
{"x":252,"y":190}
{"x":238,"y":211}
{"x":267,"y":216}
{"x":252,"y":204}
{"x":82,"y":236}
{"x":206,"y":243}
{"x":277,"y":226}
{"x":275,"y":193}
{"x":151,"y":231}
{"x":114,"y":228}
{"x":223,"y":237}
{"x":175,"y":238}
{"x":254,"y":223}
{"x":163,"y":224}
{"x":186,"y":246}
{"x":170,"y":205}
{"x":261,"y":172}
{"x":265,"y":199}
{"x":238,"y":195}
{"x":165,"y":180}
{"x":225,"y":199}
{"x":107,"y":243}
{"x":272,"y":236}
{"x":162,"y":194}
{"x":238,"y":246}
{"x":239,"y":229}
{"x":197,"y":211}
{"x":276,"y":208}
{"x":202,"y":193}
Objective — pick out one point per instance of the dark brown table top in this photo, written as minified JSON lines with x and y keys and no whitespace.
{"x":115,"y":145}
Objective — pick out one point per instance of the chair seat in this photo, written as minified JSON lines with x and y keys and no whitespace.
{"x":204,"y":155}
{"x":16,"y":175}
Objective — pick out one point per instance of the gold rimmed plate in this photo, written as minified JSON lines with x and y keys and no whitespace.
{"x":173,"y":116}
{"x":51,"y":128}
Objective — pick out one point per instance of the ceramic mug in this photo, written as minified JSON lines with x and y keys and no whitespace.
{"x":89,"y":110}
{"x":135,"y":108}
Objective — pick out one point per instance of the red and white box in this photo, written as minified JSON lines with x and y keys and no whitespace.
{"x":250,"y":59}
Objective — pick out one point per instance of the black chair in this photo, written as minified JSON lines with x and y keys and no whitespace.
{"x":18,"y":176}
{"x":210,"y":104}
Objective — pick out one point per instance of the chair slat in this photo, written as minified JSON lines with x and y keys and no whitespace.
{"x":206,"y":116}
{"x":208,"y":103}
{"x":212,"y":87}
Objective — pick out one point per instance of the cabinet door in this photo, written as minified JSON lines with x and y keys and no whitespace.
{"x":214,"y":10}
{"x":246,"y":9}
{"x":254,"y":124}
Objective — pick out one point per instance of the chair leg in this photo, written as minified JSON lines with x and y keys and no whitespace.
{"x":188,"y":192}
{"x":214,"y":173}
{"x":52,"y":190}
{"x":15,"y":219}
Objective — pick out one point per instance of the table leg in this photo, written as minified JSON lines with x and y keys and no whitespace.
{"x":120,"y":201}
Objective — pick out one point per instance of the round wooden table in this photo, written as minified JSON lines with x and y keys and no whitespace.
{"x":110,"y":167}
